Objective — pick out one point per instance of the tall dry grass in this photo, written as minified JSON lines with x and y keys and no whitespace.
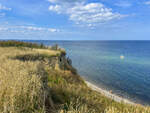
{"x":133,"y":109}
{"x":21,"y":88}
{"x":72,"y":96}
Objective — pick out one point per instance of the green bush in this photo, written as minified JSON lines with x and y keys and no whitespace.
{"x":12,"y":43}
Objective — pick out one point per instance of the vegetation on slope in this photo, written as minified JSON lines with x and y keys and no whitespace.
{"x":12,"y":43}
{"x":40,"y":80}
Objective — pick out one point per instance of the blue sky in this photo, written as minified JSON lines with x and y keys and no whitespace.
{"x":75,"y":19}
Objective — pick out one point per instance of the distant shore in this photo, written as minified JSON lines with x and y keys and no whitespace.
{"x":109,"y":94}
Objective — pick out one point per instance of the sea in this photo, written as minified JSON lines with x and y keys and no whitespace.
{"x":122,"y":67}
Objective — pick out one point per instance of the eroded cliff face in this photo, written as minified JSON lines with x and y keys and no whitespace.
{"x":61,"y":63}
{"x":56,"y":62}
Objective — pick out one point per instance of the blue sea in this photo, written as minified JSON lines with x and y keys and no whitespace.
{"x":120,"y":66}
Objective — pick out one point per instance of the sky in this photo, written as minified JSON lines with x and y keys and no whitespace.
{"x":75,"y":19}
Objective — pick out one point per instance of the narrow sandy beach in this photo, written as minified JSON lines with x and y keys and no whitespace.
{"x":109,"y":94}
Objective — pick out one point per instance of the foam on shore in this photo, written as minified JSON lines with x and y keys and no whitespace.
{"x":109,"y":94}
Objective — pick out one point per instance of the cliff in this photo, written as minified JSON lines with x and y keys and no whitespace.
{"x":43,"y":80}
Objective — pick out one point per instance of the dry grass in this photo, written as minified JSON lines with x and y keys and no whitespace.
{"x":21,"y":88}
{"x":47,"y":52}
{"x":71,"y":95}
{"x":24,"y":88}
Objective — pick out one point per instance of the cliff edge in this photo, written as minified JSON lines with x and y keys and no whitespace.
{"x":39,"y":79}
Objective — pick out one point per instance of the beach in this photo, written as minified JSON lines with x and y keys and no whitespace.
{"x":109,"y":94}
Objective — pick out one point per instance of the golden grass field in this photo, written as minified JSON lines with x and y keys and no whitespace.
{"x":34,"y":87}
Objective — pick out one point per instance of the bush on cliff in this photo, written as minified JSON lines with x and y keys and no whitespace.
{"x":12,"y":43}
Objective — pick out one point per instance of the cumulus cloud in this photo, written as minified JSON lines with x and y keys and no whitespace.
{"x":2,"y":7}
{"x":89,"y":14}
{"x":92,"y":13}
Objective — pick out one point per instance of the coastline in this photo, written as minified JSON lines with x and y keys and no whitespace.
{"x":109,"y":94}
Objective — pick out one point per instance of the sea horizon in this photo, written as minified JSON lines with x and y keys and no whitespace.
{"x":69,"y":40}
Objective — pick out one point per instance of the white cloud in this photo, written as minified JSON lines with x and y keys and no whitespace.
{"x":88,"y":14}
{"x":22,"y":29}
{"x":92,"y":13}
{"x":29,"y":32}
{"x":56,"y":8}
{"x":147,"y":3}
{"x":2,"y":7}
{"x":53,"y":30}
{"x":33,"y":28}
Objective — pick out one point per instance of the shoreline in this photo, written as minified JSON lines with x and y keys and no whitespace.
{"x":109,"y":94}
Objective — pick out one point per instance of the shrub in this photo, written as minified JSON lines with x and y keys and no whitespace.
{"x":12,"y":43}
